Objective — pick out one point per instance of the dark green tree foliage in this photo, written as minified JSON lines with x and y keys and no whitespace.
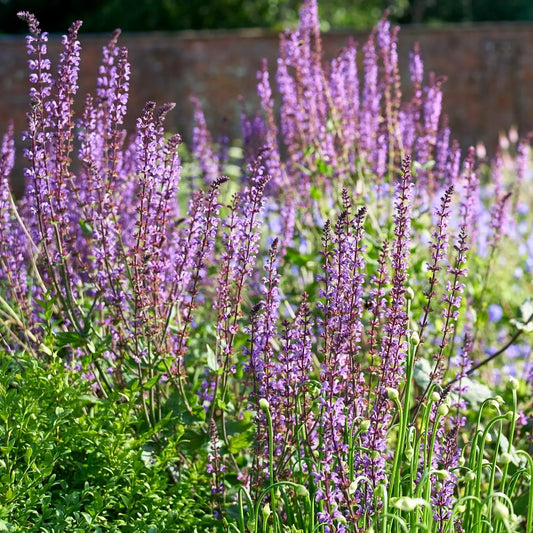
{"x":150,"y":15}
{"x":169,"y":15}
{"x":424,"y":11}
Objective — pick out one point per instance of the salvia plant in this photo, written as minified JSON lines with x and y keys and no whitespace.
{"x":339,"y":334}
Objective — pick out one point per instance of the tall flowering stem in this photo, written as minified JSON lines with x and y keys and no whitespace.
{"x":15,"y":312}
{"x":452,"y":303}
{"x":50,"y":125}
{"x":240,"y":241}
{"x":378,"y":303}
{"x":202,"y":145}
{"x":194,"y":250}
{"x":261,"y":362}
{"x":522,"y":161}
{"x":393,"y":347}
{"x":469,"y":206}
{"x":445,"y":456}
{"x":439,"y":247}
{"x":342,"y":389}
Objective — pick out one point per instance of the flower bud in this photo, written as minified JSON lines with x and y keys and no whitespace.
{"x":263,"y":404}
{"x":364,"y":425}
{"x":512,"y":416}
{"x":442,"y":474}
{"x":302,"y":491}
{"x":443,"y":409}
{"x":435,"y":396}
{"x":381,"y":490}
{"x":493,"y":403}
{"x":409,"y":451}
{"x":500,"y":511}
{"x":266,"y":511}
{"x":407,"y":504}
{"x":415,"y":338}
{"x":392,"y":394}
{"x":499,"y":399}
{"x":512,"y":383}
{"x":506,"y":458}
{"x":470,"y":476}
{"x":409,"y":293}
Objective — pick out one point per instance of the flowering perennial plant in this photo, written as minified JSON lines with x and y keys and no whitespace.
{"x":343,"y":384}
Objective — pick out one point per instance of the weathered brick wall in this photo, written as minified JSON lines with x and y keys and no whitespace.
{"x":489,"y":69}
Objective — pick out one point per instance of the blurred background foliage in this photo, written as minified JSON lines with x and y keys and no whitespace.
{"x":169,"y":15}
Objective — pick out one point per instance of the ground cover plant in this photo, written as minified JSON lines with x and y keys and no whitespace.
{"x":325,"y":326}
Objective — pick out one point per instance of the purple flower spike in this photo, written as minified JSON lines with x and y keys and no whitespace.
{"x":439,"y":247}
{"x":371,"y":97}
{"x":267,"y":102}
{"x":13,"y":252}
{"x":202,"y":145}
{"x":393,"y":344}
{"x":416,"y":66}
{"x":215,"y":468}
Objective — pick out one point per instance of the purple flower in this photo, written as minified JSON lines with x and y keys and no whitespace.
{"x":371,"y":98}
{"x":495,"y":312}
{"x":416,"y":66}
{"x":202,"y":145}
{"x":439,"y":247}
{"x":446,"y":456}
{"x":14,"y":248}
{"x":392,"y":351}
{"x":241,"y":244}
{"x":522,"y":162}
{"x":272,"y":161}
{"x":470,"y":204}
{"x":215,"y":467}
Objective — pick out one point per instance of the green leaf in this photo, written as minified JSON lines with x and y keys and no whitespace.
{"x":4,"y":526}
{"x":86,"y":228}
{"x":315,"y":193}
{"x":147,"y":456}
{"x":88,"y":518}
{"x":46,"y":350}
{"x":427,"y":165}
{"x":241,"y":441}
{"x":324,"y":168}
{"x":421,"y":373}
{"x":69,"y":338}
{"x":294,"y":257}
{"x":152,"y":381}
{"x":476,"y":393}
{"x":526,"y":311}
{"x":303,"y":169}
{"x":91,"y":347}
{"x":27,"y":455}
{"x":212,"y":362}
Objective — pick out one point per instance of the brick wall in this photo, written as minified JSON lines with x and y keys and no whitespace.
{"x":489,"y":69}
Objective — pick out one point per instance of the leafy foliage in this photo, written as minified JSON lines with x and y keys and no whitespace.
{"x":74,"y":462}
